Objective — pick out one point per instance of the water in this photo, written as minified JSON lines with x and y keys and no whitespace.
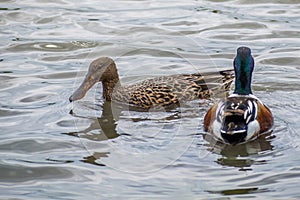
{"x":51,"y":149}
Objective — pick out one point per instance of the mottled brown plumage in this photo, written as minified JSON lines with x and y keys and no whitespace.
{"x":159,"y":91}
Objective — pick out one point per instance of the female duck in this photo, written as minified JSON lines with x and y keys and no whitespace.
{"x":242,"y":116}
{"x":159,"y":91}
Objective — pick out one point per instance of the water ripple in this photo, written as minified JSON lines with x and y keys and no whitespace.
{"x":53,"y":149}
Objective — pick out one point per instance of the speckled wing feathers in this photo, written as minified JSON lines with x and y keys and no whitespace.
{"x":170,"y":90}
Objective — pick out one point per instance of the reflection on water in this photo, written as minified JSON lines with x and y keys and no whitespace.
{"x":240,"y":155}
{"x":104,"y":126}
{"x":239,"y":191}
{"x":164,"y":134}
{"x":46,"y":152}
{"x":95,"y":158}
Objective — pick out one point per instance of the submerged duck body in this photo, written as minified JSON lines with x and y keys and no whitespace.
{"x":159,"y":91}
{"x":242,"y":116}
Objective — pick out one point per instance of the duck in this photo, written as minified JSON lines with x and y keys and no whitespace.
{"x":163,"y":91}
{"x":241,"y":117}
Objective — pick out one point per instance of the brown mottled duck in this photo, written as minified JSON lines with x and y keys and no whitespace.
{"x":159,"y":91}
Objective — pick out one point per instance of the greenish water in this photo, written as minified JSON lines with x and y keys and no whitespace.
{"x":51,"y":149}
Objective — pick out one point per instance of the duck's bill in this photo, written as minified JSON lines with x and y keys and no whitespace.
{"x":87,"y":83}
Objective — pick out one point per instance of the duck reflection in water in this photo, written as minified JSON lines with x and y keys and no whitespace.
{"x":106,"y":128}
{"x":106,"y":123}
{"x":242,"y":156}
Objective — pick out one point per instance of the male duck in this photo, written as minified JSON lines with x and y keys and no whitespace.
{"x":160,"y":91}
{"x":242,"y":116}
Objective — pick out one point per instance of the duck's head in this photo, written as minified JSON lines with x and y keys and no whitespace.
{"x":102,"y":69}
{"x":243,"y":67}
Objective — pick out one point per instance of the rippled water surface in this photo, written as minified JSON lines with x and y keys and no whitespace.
{"x":51,"y":149}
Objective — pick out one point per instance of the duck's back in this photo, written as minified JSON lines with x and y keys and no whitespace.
{"x":171,"y":90}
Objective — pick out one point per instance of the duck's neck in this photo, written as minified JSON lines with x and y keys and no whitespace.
{"x":243,"y":67}
{"x":243,"y":85}
{"x":110,"y":79}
